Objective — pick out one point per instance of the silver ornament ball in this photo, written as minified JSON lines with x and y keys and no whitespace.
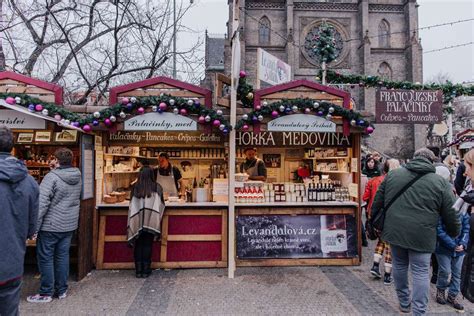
{"x":67,"y":122}
{"x":329,"y":117}
{"x":45,"y":112}
{"x":207,"y":118}
{"x":315,"y":105}
{"x":219,"y":112}
{"x":18,"y":100}
{"x":133,"y":99}
{"x":154,"y":108}
{"x":331,"y":110}
{"x":264,"y":103}
{"x":282,"y":108}
{"x":294,"y":108}
{"x":221,"y":127}
{"x":260,"y":118}
{"x":176,"y":111}
{"x":122,"y":115}
{"x":96,"y":114}
{"x":190,"y":102}
{"x":112,"y":118}
{"x":353,"y":122}
{"x":172,"y":102}
{"x":245,"y":117}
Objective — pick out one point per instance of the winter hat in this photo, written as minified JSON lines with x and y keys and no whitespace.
{"x":425,"y":153}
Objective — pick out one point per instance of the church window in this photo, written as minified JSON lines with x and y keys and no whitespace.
{"x":264,"y":27}
{"x":385,"y":71}
{"x":384,"y":34}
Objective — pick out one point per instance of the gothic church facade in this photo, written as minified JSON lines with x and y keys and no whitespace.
{"x":373,"y":37}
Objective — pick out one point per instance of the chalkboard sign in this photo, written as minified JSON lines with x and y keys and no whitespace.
{"x":302,"y":236}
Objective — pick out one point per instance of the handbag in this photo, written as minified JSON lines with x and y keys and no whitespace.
{"x":374,"y":225}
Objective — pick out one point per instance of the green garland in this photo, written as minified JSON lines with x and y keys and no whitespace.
{"x":325,"y":43}
{"x":450,"y":90}
{"x":307,"y":106}
{"x":245,"y":91}
{"x":119,"y":111}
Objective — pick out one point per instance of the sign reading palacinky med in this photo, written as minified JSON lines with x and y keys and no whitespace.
{"x":408,"y":106}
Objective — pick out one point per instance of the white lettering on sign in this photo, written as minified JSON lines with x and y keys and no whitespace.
{"x":152,"y":137}
{"x":292,"y":139}
{"x":271,"y":69}
{"x":301,"y":123}
{"x":18,"y":120}
{"x":160,"y":122}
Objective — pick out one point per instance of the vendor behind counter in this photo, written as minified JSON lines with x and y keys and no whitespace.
{"x":253,"y":166}
{"x":168,"y":176}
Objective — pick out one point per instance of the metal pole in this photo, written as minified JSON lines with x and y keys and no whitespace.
{"x":174,"y":39}
{"x":450,"y":129}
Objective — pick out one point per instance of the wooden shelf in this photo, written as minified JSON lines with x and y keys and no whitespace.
{"x":112,"y":172}
{"x":330,"y":158}
{"x":343,"y":172}
{"x":125,"y":155}
{"x":197,"y":158}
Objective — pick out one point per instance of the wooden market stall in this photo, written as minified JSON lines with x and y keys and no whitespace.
{"x":307,"y":211}
{"x":194,"y":228}
{"x":37,"y":136}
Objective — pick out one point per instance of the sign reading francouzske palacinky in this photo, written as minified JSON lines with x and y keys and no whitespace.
{"x":408,"y":106}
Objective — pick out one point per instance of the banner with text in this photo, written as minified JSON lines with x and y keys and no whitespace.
{"x":18,"y":120}
{"x":301,"y":123}
{"x":165,"y":121}
{"x":165,"y":138}
{"x":271,"y":69}
{"x":408,"y":106}
{"x":292,"y":139}
{"x":302,"y":236}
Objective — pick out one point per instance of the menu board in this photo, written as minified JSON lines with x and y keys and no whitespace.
{"x":87,"y":158}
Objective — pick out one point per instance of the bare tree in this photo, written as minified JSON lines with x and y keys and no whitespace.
{"x":93,"y":44}
{"x":440,"y":78}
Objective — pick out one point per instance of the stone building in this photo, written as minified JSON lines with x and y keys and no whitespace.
{"x":373,"y":37}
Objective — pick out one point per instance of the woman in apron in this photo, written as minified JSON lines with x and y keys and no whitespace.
{"x":167,"y":176}
{"x":253,"y":166}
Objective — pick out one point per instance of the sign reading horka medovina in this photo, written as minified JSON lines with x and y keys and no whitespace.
{"x":155,"y":121}
{"x":165,"y":138}
{"x":288,"y":236}
{"x":293,"y":139}
{"x":18,"y":120}
{"x":408,"y":106}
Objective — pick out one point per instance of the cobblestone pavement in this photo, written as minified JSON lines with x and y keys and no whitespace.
{"x":256,"y":291}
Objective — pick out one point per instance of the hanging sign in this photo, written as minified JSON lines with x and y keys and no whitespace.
{"x":165,"y":138}
{"x":293,"y":139}
{"x":271,"y":69}
{"x":408,"y":106}
{"x":301,"y":123}
{"x":18,"y":120}
{"x":154,"y":121}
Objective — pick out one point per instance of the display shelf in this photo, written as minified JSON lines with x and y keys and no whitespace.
{"x":125,"y":155}
{"x":329,"y":158}
{"x":333,"y":171}
{"x":111,"y":172}
{"x":196,"y":158}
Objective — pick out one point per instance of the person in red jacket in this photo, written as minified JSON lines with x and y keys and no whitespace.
{"x":369,"y":196}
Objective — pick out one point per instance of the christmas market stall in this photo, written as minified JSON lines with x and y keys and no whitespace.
{"x":40,"y":124}
{"x":306,"y":209}
{"x":164,"y":116}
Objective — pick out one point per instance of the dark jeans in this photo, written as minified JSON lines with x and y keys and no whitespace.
{"x":52,"y":250}
{"x":10,"y":298}
{"x":143,"y":247}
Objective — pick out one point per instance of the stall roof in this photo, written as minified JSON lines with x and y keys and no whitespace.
{"x":463,"y":137}
{"x":25,"y":111}
{"x":205,"y":93}
{"x":5,"y":76}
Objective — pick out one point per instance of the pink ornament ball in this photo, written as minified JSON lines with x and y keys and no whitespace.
{"x":10,"y":100}
{"x":369,"y":130}
{"x":245,"y":128}
{"x":274,"y":114}
{"x":108,"y":122}
{"x":86,"y":128}
{"x":202,"y":120}
{"x":141,"y":110}
{"x":183,"y":112}
{"x":163,"y":106}
{"x":125,"y":100}
{"x":216,"y":123}
{"x":57,"y":117}
{"x":242,"y":74}
{"x":39,"y":107}
{"x":258,"y":107}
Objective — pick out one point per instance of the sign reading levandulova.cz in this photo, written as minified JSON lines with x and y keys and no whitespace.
{"x":408,"y":106}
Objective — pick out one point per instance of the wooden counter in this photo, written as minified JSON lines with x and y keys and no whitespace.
{"x":194,"y":235}
{"x":295,"y":234}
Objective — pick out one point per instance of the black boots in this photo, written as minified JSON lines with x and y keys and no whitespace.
{"x":146,"y":269}
{"x":139,"y":269}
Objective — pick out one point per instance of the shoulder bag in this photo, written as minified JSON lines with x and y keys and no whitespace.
{"x":374,"y":225}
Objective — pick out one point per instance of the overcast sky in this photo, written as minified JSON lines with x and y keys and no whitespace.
{"x":458,"y":63}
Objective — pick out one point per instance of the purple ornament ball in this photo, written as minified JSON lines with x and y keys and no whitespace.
{"x":242,"y":74}
{"x":254,"y":118}
{"x":369,"y":130}
{"x":108,"y":122}
{"x":125,"y":100}
{"x":163,"y":106}
{"x":141,"y":110}
{"x":76,"y":124}
{"x":183,"y":112}
{"x":201,"y":120}
{"x":274,"y":114}
{"x":31,"y":107}
{"x":86,"y":128}
{"x":39,"y":107}
{"x":245,"y":128}
{"x":320,"y":113}
{"x":10,"y":100}
{"x":95,"y":122}
{"x":216,"y":123}
{"x":225,"y":131}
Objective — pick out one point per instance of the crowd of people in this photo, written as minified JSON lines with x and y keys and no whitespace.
{"x":426,"y":205}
